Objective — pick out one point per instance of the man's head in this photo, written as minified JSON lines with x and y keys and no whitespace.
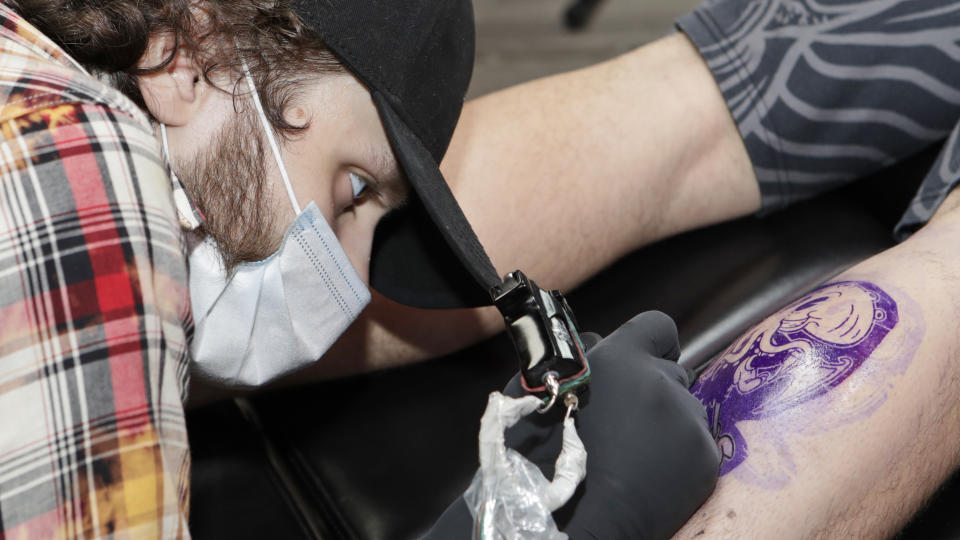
{"x":181,"y":60}
{"x":331,"y":139}
{"x":356,"y":91}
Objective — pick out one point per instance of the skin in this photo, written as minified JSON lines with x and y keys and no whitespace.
{"x":802,"y":352}
{"x":859,"y":459}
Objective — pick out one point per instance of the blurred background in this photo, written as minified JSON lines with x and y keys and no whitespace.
{"x":520,"y":40}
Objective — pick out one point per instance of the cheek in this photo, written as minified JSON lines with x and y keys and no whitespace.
{"x":355,"y":232}
{"x":195,"y":138}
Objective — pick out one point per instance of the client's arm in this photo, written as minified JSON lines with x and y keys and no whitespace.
{"x":840,"y":414}
{"x":564,"y":175}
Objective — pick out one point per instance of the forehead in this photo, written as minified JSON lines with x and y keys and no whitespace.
{"x":384,"y":162}
{"x":344,"y":109}
{"x":389,"y":180}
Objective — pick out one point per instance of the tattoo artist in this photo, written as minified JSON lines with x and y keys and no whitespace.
{"x":265,"y":308}
{"x":651,"y":459}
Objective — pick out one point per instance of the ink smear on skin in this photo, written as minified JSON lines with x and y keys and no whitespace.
{"x":802,"y":352}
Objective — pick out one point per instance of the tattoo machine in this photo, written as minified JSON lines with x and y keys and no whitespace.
{"x":509,"y":496}
{"x":541,"y":325}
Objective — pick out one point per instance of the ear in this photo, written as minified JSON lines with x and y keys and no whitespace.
{"x":172,"y":94}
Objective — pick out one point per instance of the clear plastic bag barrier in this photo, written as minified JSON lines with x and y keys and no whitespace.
{"x":509,"y":497}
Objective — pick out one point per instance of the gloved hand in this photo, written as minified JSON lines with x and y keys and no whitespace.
{"x":509,"y":497}
{"x":651,"y":461}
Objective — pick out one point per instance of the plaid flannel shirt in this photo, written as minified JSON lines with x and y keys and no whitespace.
{"x":94,"y":307}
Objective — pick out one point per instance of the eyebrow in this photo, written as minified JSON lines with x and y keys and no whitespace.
{"x":388,"y":180}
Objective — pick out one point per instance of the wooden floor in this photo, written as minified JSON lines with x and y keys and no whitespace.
{"x":520,"y":40}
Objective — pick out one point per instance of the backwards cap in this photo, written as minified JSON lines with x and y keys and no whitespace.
{"x":416,"y":58}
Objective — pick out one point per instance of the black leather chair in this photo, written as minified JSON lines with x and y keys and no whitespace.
{"x":380,"y":456}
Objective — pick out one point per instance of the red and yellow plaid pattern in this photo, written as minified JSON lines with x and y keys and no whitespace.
{"x":94,"y":308}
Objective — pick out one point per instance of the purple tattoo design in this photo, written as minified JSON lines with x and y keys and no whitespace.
{"x":795,"y":356}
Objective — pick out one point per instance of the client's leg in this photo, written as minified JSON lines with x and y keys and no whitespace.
{"x":840,"y":414}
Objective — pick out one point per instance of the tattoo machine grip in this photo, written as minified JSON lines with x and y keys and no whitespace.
{"x":544,"y":333}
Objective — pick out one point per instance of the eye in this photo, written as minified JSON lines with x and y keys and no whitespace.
{"x":358,"y":184}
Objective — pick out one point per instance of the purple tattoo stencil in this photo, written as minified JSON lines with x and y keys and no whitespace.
{"x":803,"y":351}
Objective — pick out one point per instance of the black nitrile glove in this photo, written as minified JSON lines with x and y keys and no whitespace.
{"x":651,"y":461}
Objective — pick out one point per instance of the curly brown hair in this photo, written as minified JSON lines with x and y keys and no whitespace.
{"x":110,"y":36}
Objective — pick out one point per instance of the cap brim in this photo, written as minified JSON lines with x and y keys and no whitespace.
{"x":412,"y":261}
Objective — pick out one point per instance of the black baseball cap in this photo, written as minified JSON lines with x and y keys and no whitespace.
{"x":416,"y":58}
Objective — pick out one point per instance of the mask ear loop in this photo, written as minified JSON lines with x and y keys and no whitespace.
{"x":189,"y":215}
{"x":269,"y":131}
{"x":166,"y":151}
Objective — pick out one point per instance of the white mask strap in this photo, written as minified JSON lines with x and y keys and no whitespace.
{"x":189,"y":215}
{"x":166,"y":150}
{"x":270,"y":138}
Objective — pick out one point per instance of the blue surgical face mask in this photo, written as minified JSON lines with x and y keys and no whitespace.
{"x":271,"y":317}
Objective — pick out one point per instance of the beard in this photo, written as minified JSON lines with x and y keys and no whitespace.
{"x":227,"y":181}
